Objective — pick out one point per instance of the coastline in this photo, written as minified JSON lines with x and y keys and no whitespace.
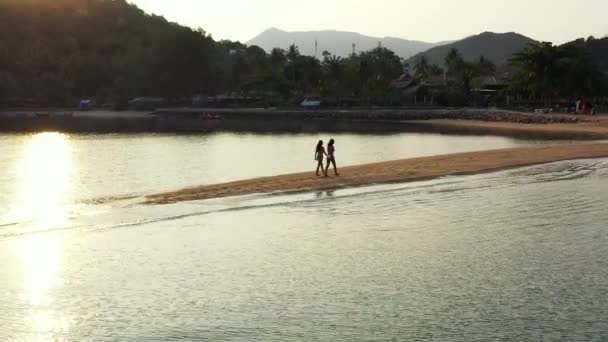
{"x":465,"y":121}
{"x":593,"y":128}
{"x":406,"y":170}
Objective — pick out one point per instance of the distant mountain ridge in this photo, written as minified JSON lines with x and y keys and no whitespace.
{"x":337,"y":42}
{"x":497,"y":47}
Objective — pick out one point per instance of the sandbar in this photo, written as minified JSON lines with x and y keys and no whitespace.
{"x":405,"y":170}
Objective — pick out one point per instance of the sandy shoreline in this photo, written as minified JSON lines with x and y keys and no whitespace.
{"x":392,"y":171}
{"x":594,"y":127}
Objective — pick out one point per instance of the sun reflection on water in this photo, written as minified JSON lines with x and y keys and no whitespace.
{"x":41,"y":260}
{"x":45,"y":173}
{"x":45,"y":187}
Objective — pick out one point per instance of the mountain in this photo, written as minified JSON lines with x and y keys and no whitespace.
{"x":336,"y":42}
{"x":497,"y":47}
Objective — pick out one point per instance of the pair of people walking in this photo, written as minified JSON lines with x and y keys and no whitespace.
{"x":330,"y":154}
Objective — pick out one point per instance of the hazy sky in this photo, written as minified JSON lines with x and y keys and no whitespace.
{"x":429,"y":20}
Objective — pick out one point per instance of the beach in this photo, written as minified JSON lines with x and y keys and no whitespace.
{"x":469,"y":122}
{"x":392,"y":171}
{"x":588,"y":128}
{"x":581,"y":127}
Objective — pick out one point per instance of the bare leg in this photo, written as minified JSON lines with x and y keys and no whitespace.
{"x":333,"y":161}
{"x":320,"y":166}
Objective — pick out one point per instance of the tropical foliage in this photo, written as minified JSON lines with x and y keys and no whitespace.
{"x":57,"y":52}
{"x":548,"y":72}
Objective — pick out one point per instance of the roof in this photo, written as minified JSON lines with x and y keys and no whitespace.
{"x":403,"y":82}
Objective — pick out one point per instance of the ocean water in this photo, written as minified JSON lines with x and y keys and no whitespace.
{"x":517,"y":255}
{"x":51,"y":173}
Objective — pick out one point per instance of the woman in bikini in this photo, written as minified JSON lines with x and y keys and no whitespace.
{"x":319,"y":154}
{"x":331,"y":158}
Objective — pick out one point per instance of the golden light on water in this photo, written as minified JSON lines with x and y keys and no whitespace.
{"x":45,"y":173}
{"x":45,"y":188}
{"x":41,"y":260}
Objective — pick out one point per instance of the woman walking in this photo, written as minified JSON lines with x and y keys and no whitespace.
{"x":331,"y":157}
{"x":319,"y":154}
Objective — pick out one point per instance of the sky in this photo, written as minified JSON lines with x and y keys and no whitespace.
{"x":557,"y":21}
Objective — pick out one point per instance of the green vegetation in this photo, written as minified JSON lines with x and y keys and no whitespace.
{"x":54,"y":53}
{"x":548,"y":73}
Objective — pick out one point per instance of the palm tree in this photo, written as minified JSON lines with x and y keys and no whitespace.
{"x":538,"y":70}
{"x":278,"y":56}
{"x":454,"y":62}
{"x":422,"y":68}
{"x":293,"y":53}
{"x":334,"y":72}
{"x":460,"y":72}
{"x":548,"y":71}
{"x":333,"y":65}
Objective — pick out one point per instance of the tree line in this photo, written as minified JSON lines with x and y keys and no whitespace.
{"x":53,"y":53}
{"x":548,"y":73}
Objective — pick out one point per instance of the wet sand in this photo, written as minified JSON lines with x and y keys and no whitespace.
{"x":590,"y":127}
{"x":392,"y":171}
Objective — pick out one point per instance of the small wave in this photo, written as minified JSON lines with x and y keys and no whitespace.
{"x":560,"y":171}
{"x":109,"y":199}
{"x":463,"y":187}
{"x":10,"y":224}
{"x":29,"y":232}
{"x":284,"y":201}
{"x":423,"y":194}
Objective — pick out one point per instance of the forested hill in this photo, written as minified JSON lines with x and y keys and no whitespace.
{"x":57,"y":51}
{"x":496,"y":47}
{"x":339,"y":43}
{"x":597,"y":49}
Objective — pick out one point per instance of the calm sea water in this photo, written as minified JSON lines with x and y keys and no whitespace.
{"x":513,"y":256}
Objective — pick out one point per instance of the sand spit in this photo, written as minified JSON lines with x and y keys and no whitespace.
{"x":392,"y":171}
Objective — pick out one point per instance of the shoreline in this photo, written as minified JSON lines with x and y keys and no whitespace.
{"x":405,"y":170}
{"x":373,"y":121}
{"x":590,"y":130}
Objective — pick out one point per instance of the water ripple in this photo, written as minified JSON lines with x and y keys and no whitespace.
{"x":514,"y":255}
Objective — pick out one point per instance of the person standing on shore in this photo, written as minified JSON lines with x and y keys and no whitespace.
{"x":319,"y":154}
{"x":331,"y":157}
{"x":585,"y":108}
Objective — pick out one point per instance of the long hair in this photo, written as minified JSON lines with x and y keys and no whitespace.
{"x":319,"y":146}
{"x":331,"y":142}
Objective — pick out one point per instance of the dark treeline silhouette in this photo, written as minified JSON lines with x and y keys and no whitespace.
{"x":54,"y":53}
{"x":574,"y":70}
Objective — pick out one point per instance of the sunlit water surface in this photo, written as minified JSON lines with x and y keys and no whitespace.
{"x":517,"y":255}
